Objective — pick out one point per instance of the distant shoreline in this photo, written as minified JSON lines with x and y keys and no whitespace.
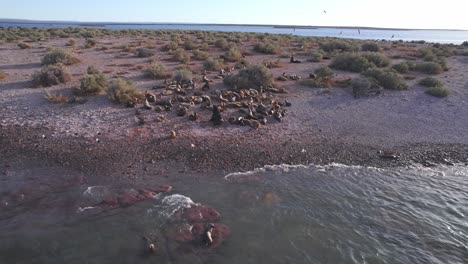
{"x":103,"y":24}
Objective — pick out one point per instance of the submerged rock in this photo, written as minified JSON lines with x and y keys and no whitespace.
{"x":198,"y":214}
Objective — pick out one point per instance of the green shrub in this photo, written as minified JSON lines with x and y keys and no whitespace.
{"x":211,"y":64}
{"x":180,"y":56}
{"x":429,"y":67}
{"x":267,"y":48}
{"x":350,"y":62}
{"x":123,"y":91}
{"x":170,"y":46}
{"x":465,"y":43}
{"x":183,"y":75}
{"x":190,"y":45}
{"x":378,"y":59}
{"x":23,"y":45}
{"x":253,"y":76}
{"x":221,"y":43}
{"x":92,"y":70}
{"x":93,"y":83}
{"x":200,"y":55}
{"x":233,"y":54}
{"x":157,"y":71}
{"x":388,"y":79}
{"x":401,"y":67}
{"x":338,"y":45}
{"x":51,"y":75}
{"x":324,"y":72}
{"x":71,"y":43}
{"x":430,"y":82}
{"x":144,"y":53}
{"x":370,"y":46}
{"x":315,"y":56}
{"x":59,"y":56}
{"x":362,"y":86}
{"x":90,"y":43}
{"x":438,"y":91}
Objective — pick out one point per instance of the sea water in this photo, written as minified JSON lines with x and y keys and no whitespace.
{"x":277,"y":214}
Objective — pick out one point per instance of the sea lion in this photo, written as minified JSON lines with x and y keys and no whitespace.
{"x":208,"y":235}
{"x":205,"y":78}
{"x":293,"y":60}
{"x":216,"y":118}
{"x":150,"y":97}
{"x":172,"y":134}
{"x":181,"y":111}
{"x":206,"y":87}
{"x":387,"y":155}
{"x":193,"y":116}
{"x":147,"y":105}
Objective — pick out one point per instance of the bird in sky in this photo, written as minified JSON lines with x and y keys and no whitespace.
{"x":359,"y":31}
{"x":393,"y":36}
{"x":325,"y":11}
{"x":341,"y":32}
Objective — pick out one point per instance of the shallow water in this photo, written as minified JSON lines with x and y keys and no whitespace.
{"x":439,"y":36}
{"x":301,"y":214}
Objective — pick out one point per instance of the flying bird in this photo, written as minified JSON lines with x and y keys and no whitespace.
{"x":359,"y":31}
{"x":341,"y":32}
{"x":325,"y":11}
{"x":393,"y":36}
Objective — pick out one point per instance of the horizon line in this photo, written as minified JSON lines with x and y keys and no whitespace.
{"x":104,"y":23}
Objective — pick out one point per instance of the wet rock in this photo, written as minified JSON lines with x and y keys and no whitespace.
{"x":161,"y":188}
{"x":129,"y":198}
{"x":193,"y":117}
{"x":271,"y":199}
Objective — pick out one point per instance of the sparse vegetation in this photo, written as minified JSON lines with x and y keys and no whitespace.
{"x":402,"y":67}
{"x":253,"y":76}
{"x":211,"y":64}
{"x":180,"y":56}
{"x":233,"y":54}
{"x":267,"y":48}
{"x":23,"y":45}
{"x":221,"y":43}
{"x":183,"y":75}
{"x":376,"y":58}
{"x":144,"y":53}
{"x":51,"y":75}
{"x":465,"y":43}
{"x":90,"y":43}
{"x":315,"y":56}
{"x":123,"y":92}
{"x":190,"y":45}
{"x":324,"y":72}
{"x":438,"y":91}
{"x":71,"y":43}
{"x":157,"y":71}
{"x":388,"y":79}
{"x":59,"y":56}
{"x":431,"y":82}
{"x":200,"y":55}
{"x":429,"y":67}
{"x":370,"y":46}
{"x":338,"y":45}
{"x":93,"y":83}
{"x":350,"y":62}
{"x":362,"y":86}
{"x":170,"y":46}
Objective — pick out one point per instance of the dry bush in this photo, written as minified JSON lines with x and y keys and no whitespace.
{"x":60,"y":56}
{"x":51,"y":75}
{"x":55,"y":98}
{"x":253,"y":76}
{"x":157,"y":71}
{"x":123,"y":92}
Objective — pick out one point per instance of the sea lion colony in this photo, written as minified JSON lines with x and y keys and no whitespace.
{"x":243,"y":107}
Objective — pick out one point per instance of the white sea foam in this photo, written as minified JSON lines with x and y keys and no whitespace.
{"x":82,"y":209}
{"x":171,"y":204}
{"x":93,"y":190}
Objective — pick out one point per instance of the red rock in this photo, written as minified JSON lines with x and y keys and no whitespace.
{"x":199,"y":214}
{"x":110,"y":201}
{"x":161,"y":188}
{"x":247,"y":178}
{"x":270,"y":199}
{"x":180,"y":233}
{"x":147,"y":193}
{"x":129,"y":198}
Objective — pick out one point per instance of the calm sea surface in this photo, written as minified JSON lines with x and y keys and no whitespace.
{"x":440,"y":36}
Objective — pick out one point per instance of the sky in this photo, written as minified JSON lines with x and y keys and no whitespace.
{"x":446,"y":14}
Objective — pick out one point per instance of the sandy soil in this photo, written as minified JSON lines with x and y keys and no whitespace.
{"x":322,"y":126}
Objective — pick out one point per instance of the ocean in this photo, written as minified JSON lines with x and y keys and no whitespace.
{"x":435,"y":36}
{"x":277,"y":214}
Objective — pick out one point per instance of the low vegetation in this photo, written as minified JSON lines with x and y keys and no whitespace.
{"x":157,"y":71}
{"x":323,"y":78}
{"x":363,"y":86}
{"x":90,"y":43}
{"x":93,"y":83}
{"x":438,"y":91}
{"x":200,"y":55}
{"x":315,"y":56}
{"x":267,"y":48}
{"x":338,"y":45}
{"x":386,"y":78}
{"x":221,"y":43}
{"x":60,"y":56}
{"x":253,"y":76}
{"x":465,"y":43}
{"x":71,"y":43}
{"x":144,"y":53}
{"x":351,"y":62}
{"x":402,"y":67}
{"x":370,"y":46}
{"x":233,"y":55}
{"x":51,"y":75}
{"x":170,"y":46}
{"x":429,"y":67}
{"x":211,"y":64}
{"x":181,"y":56}
{"x":376,"y":58}
{"x":431,"y":82}
{"x":123,"y":92}
{"x":183,"y":75}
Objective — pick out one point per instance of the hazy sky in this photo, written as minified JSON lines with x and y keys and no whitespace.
{"x":374,"y":13}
